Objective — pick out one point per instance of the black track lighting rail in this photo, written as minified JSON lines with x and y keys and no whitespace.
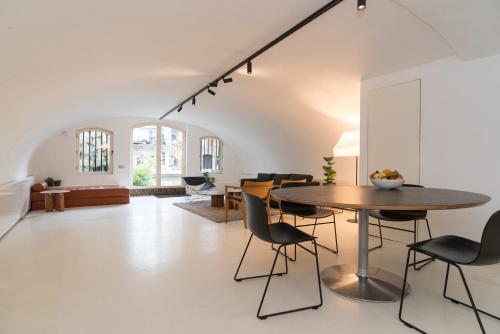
{"x":248,"y":61}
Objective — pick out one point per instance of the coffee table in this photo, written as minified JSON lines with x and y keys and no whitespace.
{"x":217,"y":197}
{"x":54,"y":198}
{"x":363,"y":282}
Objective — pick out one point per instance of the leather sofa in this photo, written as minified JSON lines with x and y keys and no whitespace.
{"x":83,"y":196}
{"x":277,"y":178}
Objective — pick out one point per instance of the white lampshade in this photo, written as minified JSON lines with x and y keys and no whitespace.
{"x":348,"y":145}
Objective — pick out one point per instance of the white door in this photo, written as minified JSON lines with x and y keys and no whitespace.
{"x":394,"y":130}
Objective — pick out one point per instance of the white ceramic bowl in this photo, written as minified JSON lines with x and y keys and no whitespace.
{"x":387,"y":184}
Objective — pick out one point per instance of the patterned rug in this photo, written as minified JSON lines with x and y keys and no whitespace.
{"x":205,"y":209}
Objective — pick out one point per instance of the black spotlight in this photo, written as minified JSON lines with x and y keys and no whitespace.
{"x":361,"y":5}
{"x":227,"y":80}
{"x":194,"y":100}
{"x":180,"y":108}
{"x":213,"y":84}
{"x":211,"y":91}
{"x":249,"y":67}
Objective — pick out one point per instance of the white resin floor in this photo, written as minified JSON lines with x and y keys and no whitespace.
{"x":151,"y":267}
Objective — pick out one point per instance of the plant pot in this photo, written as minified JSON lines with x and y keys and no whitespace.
{"x":57,"y":183}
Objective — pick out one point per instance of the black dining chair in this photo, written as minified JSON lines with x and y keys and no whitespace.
{"x":282,"y":234}
{"x":456,"y":251}
{"x":414,"y":216}
{"x":307,"y":211}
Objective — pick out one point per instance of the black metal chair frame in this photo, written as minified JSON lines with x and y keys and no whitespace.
{"x":472,"y":306}
{"x":272,"y":273}
{"x":416,"y":222}
{"x":315,"y":224}
{"x":308,"y":216}
{"x":415,"y":230}
{"x":485,"y":253}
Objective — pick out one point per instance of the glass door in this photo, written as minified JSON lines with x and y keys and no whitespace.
{"x":172,"y":156}
{"x":144,"y":156}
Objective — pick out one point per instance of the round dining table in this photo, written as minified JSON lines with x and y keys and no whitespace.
{"x":363,"y":282}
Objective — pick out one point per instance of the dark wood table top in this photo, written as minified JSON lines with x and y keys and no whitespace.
{"x":368,"y":197}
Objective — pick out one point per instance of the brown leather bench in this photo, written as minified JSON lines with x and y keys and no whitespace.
{"x":83,"y":196}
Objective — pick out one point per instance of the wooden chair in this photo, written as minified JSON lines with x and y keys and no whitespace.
{"x":261,"y":190}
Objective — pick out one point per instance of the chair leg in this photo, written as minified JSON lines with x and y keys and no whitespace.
{"x":336,"y":250}
{"x":427,"y":260}
{"x":226,"y":207}
{"x":244,"y":214}
{"x":380,"y":237}
{"x":262,"y":317}
{"x":476,"y":312}
{"x":239,"y":279}
{"x":428,"y":228}
{"x":472,"y":306}
{"x":403,"y":291}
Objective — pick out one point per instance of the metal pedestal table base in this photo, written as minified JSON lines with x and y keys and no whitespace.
{"x":379,"y":286}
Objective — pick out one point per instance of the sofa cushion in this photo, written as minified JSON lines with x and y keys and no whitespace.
{"x":37,"y":187}
{"x":293,"y":181}
{"x":87,"y":196}
{"x":308,"y":178}
{"x":279,"y":177}
{"x":265,"y":177}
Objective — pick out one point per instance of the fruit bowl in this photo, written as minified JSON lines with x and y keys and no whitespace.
{"x":387,"y":184}
{"x":388,"y":179}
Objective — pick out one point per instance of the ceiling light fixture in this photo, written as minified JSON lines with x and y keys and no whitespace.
{"x":194,"y":100}
{"x":361,"y":5}
{"x":180,"y":108}
{"x":227,"y":80}
{"x":248,"y":60}
{"x":213,"y":84}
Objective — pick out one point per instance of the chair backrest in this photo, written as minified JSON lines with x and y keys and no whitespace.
{"x":292,"y":184}
{"x":489,"y":252}
{"x":292,"y":181}
{"x":284,"y":205}
{"x":194,"y":180}
{"x":258,"y":189}
{"x":404,"y":213}
{"x":257,"y":217}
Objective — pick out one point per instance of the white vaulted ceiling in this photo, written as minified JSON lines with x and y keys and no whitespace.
{"x":63,"y":61}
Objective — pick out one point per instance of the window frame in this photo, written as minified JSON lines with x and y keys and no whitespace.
{"x":221,"y":143}
{"x":111,"y":151}
{"x":159,"y":126}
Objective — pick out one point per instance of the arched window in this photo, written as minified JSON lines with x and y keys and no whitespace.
{"x":94,"y":151}
{"x":210,"y":154}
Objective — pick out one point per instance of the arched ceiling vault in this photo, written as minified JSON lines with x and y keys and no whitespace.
{"x":63,"y":61}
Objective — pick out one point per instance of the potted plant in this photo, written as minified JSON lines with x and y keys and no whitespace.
{"x":210,"y":178}
{"x":328,"y":170}
{"x":57,"y":183}
{"x":50,"y":182}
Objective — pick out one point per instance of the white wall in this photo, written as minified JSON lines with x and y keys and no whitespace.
{"x":55,"y":157}
{"x":459,"y":135}
{"x":459,"y":146}
{"x":14,"y":202}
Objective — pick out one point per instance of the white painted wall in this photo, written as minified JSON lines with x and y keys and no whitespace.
{"x":14,"y":202}
{"x":56,"y":156}
{"x":459,"y":147}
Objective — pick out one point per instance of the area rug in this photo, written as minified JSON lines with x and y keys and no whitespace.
{"x":206,"y":210}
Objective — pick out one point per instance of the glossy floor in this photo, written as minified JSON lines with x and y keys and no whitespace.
{"x":151,"y":267}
